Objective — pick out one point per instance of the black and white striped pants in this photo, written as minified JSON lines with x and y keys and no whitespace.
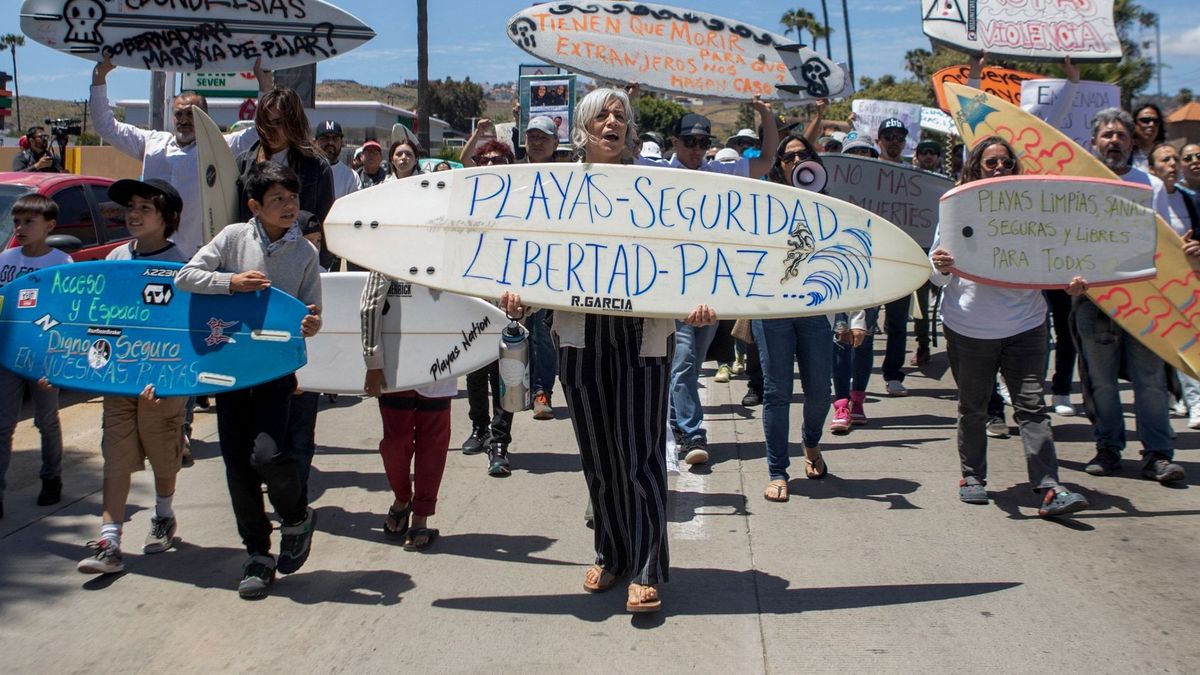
{"x":618,"y":403}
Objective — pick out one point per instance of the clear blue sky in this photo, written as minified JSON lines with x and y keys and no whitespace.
{"x":467,"y":38}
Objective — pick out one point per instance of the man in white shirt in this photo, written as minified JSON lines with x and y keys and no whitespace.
{"x":329,"y":138}
{"x":170,"y":156}
{"x":1104,"y":347}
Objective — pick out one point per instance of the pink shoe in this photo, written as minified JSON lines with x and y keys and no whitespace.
{"x":841,"y":416}
{"x":858,"y":416}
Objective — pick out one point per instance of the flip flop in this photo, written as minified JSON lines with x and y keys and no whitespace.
{"x":815,"y":469}
{"x":637,"y":601}
{"x":777,"y":491}
{"x":429,"y":533}
{"x":598,"y":579}
{"x":399,"y":516}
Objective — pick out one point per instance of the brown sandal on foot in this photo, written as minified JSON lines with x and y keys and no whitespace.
{"x":816,"y":468}
{"x":597,"y":579}
{"x":642,"y":599}
{"x":777,"y":491}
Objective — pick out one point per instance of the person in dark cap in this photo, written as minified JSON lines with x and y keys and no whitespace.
{"x":929,"y":156}
{"x":892,"y":136}
{"x":330,"y":139}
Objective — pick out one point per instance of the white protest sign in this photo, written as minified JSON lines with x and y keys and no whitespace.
{"x":869,"y":113}
{"x":1042,"y":98}
{"x":1044,"y":30}
{"x":937,"y":121}
{"x":901,"y":193}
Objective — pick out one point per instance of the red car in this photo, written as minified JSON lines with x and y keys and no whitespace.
{"x":89,"y":223}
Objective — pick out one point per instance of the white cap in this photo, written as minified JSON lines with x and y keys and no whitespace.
{"x":651,"y":150}
{"x":727,"y":155}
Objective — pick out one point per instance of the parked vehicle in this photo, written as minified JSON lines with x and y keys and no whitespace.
{"x":89,"y":223}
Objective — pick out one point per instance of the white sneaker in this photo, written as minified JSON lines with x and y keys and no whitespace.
{"x":896,"y":388}
{"x":1194,"y":418}
{"x":1180,"y":409}
{"x":1004,"y":395}
{"x":1062,"y":405}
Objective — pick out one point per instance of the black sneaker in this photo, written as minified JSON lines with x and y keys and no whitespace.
{"x":477,"y":441}
{"x":296,"y":544}
{"x":1059,"y":501}
{"x":498,"y":461}
{"x":51,"y":492}
{"x":695,"y":450}
{"x":106,"y":558}
{"x":161,"y":536}
{"x":751,"y":399}
{"x":997,"y":427}
{"x":1161,"y":469}
{"x":257,"y":576}
{"x":1105,"y":463}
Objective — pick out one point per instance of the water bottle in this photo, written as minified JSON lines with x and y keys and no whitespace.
{"x":514,"y":368}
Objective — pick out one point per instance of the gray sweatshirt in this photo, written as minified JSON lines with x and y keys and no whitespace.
{"x":292,"y":266}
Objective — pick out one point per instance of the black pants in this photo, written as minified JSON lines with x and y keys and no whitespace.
{"x":252,"y":425}
{"x":302,"y":432}
{"x":1064,"y":346}
{"x":618,"y":403}
{"x":921,"y":324}
{"x":721,"y":348}
{"x":499,"y":421}
{"x":754,"y":371}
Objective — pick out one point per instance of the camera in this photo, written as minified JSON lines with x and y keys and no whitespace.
{"x":63,"y":127}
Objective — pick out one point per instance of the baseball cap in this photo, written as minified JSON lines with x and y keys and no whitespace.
{"x":124,"y":190}
{"x":372,"y":144}
{"x":743,"y":134}
{"x":727,"y":155}
{"x":692,"y":124}
{"x":650,"y":150}
{"x":825,"y":141}
{"x":930,"y":144}
{"x":861,"y":143}
{"x":543,"y":124}
{"x":329,"y":127}
{"x":892,"y":123}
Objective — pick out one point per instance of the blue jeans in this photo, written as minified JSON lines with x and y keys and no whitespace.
{"x":852,"y":365}
{"x":807,"y":341}
{"x":45,"y":418}
{"x":544,"y":365}
{"x":691,"y":347}
{"x":1104,"y":346}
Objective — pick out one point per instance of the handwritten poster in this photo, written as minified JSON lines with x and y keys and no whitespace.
{"x":550,"y":96}
{"x":1004,"y":83}
{"x":870,"y":113}
{"x":1026,"y":29}
{"x":669,"y":49}
{"x":933,"y":119}
{"x":900,"y":193}
{"x":1043,"y":99}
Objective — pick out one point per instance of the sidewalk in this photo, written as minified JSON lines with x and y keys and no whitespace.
{"x":879,"y":567}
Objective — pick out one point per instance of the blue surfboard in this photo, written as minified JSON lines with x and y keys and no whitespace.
{"x":112,"y":327}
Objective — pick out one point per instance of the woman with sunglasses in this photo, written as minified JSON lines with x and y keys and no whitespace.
{"x":614,"y":372}
{"x":1149,"y":129}
{"x":992,"y":329}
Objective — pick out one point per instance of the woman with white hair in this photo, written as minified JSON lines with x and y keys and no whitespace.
{"x":615,"y":374}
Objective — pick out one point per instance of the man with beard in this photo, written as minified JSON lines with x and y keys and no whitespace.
{"x":329,"y":138}
{"x":166,"y":155}
{"x":38,"y":156}
{"x":1105,"y":349}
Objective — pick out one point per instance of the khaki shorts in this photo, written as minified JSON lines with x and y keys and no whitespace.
{"x":135,"y":430}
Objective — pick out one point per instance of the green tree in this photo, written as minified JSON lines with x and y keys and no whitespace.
{"x":455,"y":102}
{"x":915,"y":62}
{"x":657,"y":114}
{"x":747,"y":118}
{"x":1184,"y":96}
{"x":800,"y":20}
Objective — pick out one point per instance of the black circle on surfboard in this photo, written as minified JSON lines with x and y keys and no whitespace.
{"x":210,"y":175}
{"x":968,"y":232}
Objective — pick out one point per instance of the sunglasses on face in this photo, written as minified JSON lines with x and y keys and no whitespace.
{"x":796,"y":155}
{"x":992,"y":162}
{"x":489,"y":160}
{"x":892,"y":138}
{"x":696,"y":142}
{"x":1147,"y":120}
{"x":1191,"y":158}
{"x":927,"y":152}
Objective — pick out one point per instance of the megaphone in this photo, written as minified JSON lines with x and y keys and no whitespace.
{"x":809,"y":175}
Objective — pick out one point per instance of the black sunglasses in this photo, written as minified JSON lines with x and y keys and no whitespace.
{"x":1147,"y":120}
{"x":796,"y":155}
{"x":1191,"y":158}
{"x":487,"y":160}
{"x":893,"y":137}
{"x":992,"y":162}
{"x":696,"y":141}
{"x":927,"y":151}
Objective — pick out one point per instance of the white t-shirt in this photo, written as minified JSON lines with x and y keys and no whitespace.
{"x":1180,"y":221}
{"x":14,"y":263}
{"x":345,"y":180}
{"x":1160,"y":205}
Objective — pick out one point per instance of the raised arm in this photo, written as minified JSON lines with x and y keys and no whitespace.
{"x":124,"y":137}
{"x":761,"y":165}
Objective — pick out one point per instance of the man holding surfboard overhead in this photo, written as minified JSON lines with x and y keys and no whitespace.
{"x":1104,"y":346}
{"x":168,"y":155}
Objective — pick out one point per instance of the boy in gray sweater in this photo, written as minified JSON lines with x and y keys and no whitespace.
{"x":252,"y":423}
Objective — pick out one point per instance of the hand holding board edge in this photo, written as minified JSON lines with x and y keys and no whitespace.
{"x":670,"y":49}
{"x":113,"y":327}
{"x":211,"y":37}
{"x":1042,"y":231}
{"x":1160,"y":312}
{"x":628,"y":241}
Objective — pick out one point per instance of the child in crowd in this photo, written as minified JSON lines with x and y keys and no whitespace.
{"x":137,"y":428}
{"x":252,"y":423}
{"x":34,"y":217}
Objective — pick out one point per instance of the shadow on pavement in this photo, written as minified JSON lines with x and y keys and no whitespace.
{"x":1131,"y":469}
{"x":545,"y":462}
{"x":889,"y":491}
{"x":913,"y":422}
{"x":684,"y":506}
{"x":725,"y":592}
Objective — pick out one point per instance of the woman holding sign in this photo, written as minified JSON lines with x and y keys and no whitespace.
{"x":615,"y":376}
{"x":992,"y":329}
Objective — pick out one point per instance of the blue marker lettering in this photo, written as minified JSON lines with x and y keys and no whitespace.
{"x":772,"y":200}
{"x":531,"y":261}
{"x":538,"y":192}
{"x":549,"y":268}
{"x":822,"y":224}
{"x":754,"y":210}
{"x":593,"y":204}
{"x":662,"y":207}
{"x":651,"y":264}
{"x":572,"y":265}
{"x":478,"y":246}
{"x":727,"y":274}
{"x":683,"y":264}
{"x":716,"y":215}
{"x":507,"y":256}
{"x":507,"y":190}
{"x":620,"y":267}
{"x":762,"y":255}
{"x":596,"y":265}
{"x":562,"y":191}
{"x":731,"y":210}
{"x":637,"y":187}
{"x":687,"y":212}
{"x":475,"y":199}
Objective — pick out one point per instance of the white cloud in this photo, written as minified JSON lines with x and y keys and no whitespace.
{"x":1183,"y":44}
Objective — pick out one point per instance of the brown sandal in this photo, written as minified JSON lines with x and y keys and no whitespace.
{"x":597,"y":579}
{"x":815,"y":469}
{"x":642,"y":599}
{"x":777,"y":491}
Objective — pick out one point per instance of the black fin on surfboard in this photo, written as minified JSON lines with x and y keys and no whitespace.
{"x":794,"y":47}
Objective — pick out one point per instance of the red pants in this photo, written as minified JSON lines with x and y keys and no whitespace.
{"x":416,"y":432}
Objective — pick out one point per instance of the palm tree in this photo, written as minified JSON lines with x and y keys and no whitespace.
{"x":828,"y":30}
{"x":12,"y":41}
{"x":800,"y":20}
{"x":849,"y":50}
{"x":915,"y":61}
{"x":423,"y":102}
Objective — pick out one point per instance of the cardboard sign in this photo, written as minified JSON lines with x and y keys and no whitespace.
{"x":1045,"y":30}
{"x":1043,"y":231}
{"x":901,"y":193}
{"x":675,"y":50}
{"x":869,"y":114}
{"x":933,"y":119}
{"x":1042,"y":98}
{"x":1003,"y":83}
